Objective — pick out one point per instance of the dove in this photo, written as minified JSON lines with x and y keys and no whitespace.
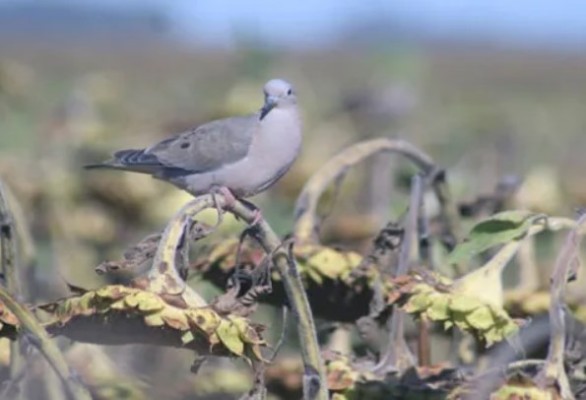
{"x":238,"y":156}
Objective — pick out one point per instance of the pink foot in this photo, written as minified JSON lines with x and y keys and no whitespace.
{"x":228,"y":196}
{"x":257,"y":217}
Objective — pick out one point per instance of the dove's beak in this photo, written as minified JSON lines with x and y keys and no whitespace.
{"x":270,"y":103}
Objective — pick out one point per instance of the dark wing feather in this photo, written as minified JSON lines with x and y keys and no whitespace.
{"x":131,"y":160}
{"x":136,"y":157}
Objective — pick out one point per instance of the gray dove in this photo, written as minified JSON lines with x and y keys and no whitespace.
{"x":237,"y":156}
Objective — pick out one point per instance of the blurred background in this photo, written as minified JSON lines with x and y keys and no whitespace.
{"x":487,"y":87}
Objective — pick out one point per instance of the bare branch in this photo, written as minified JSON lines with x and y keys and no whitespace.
{"x":553,"y":372}
{"x":8,"y":246}
{"x":397,"y":356}
{"x":164,"y":278}
{"x":306,"y":224}
{"x":9,"y":264}
{"x":410,"y":247}
{"x":46,"y":346}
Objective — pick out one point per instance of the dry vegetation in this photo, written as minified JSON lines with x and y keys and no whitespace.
{"x":424,"y":274}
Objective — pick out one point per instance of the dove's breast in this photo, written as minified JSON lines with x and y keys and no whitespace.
{"x":276,"y":142}
{"x":275,"y":146}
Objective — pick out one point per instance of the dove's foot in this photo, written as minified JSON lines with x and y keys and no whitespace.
{"x":228,"y":196}
{"x":257,"y":217}
{"x":229,"y":202}
{"x":256,"y":213}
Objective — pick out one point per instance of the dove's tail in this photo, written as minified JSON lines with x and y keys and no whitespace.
{"x":130,"y":160}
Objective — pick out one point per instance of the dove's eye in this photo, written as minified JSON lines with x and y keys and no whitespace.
{"x":289,"y":92}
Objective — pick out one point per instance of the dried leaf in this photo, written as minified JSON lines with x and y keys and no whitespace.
{"x":439,"y":308}
{"x":175,"y":318}
{"x":187,"y":337}
{"x":464,"y":304}
{"x":154,"y":319}
{"x":229,"y":335}
{"x":417,"y":303}
{"x":481,"y":318}
{"x":204,"y":319}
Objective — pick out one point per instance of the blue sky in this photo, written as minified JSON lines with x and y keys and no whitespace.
{"x":313,"y":22}
{"x":550,"y":22}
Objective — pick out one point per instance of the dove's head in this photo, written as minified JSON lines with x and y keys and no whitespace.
{"x":278,"y":94}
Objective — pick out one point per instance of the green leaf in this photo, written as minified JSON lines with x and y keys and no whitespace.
{"x":498,"y":229}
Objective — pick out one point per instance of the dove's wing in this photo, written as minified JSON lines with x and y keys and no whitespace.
{"x":207,"y":147}
{"x":202,"y":149}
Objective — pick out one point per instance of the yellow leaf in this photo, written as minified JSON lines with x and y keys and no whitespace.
{"x":228,"y":333}
{"x":149,"y":302}
{"x":187,"y":337}
{"x":329,"y":262}
{"x":464,"y":304}
{"x":481,"y":318}
{"x":204,"y":319}
{"x":493,"y":335}
{"x":154,"y":319}
{"x":118,"y":305}
{"x":84,"y":305}
{"x":113,"y":292}
{"x":247,"y":332}
{"x":354,"y":259}
{"x":313,"y":274}
{"x":131,"y":300}
{"x":439,"y":308}
{"x":417,"y":303}
{"x":175,"y":318}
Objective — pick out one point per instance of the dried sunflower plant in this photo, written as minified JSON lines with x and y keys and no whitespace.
{"x":423,"y":284}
